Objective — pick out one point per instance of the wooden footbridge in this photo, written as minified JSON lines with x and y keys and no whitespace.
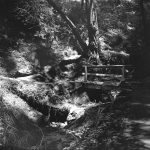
{"x":93,"y":77}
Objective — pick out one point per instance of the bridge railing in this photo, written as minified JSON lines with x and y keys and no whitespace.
{"x":122,"y":76}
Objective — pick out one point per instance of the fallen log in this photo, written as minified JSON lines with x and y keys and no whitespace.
{"x":35,"y":110}
{"x":13,"y":102}
{"x":51,"y":112}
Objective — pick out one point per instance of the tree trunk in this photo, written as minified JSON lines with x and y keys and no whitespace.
{"x":144,"y":23}
{"x":33,"y":109}
{"x":51,"y":113}
{"x":74,"y":29}
{"x":143,"y":65}
{"x":92,"y":26}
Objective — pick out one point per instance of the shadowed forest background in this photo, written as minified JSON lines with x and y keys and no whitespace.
{"x":44,"y":46}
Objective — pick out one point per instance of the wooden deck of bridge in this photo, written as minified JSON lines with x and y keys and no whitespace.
{"x":114,"y":81}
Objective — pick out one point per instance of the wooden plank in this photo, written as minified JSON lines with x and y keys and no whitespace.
{"x":89,"y":86}
{"x":87,"y":82}
{"x":123,"y":73}
{"x":107,"y":66}
{"x":76,"y":81}
{"x":101,"y":85}
{"x":86,"y":74}
{"x":94,"y":82}
{"x":103,"y":75}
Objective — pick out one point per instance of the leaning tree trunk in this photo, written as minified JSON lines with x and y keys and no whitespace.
{"x":93,"y":32}
{"x":74,"y":29}
{"x":34,"y":110}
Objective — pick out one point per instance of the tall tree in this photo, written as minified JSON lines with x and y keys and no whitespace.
{"x":92,"y":23}
{"x":92,"y":26}
{"x":74,"y":29}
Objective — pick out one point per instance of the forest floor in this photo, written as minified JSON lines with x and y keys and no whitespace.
{"x":133,"y":121}
{"x":135,"y":133}
{"x":123,"y":126}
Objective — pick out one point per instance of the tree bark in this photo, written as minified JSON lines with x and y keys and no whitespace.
{"x":33,"y":109}
{"x":74,"y":29}
{"x":92,"y":26}
{"x":144,"y":23}
{"x":70,"y":61}
{"x":143,"y":61}
{"x":51,"y":113}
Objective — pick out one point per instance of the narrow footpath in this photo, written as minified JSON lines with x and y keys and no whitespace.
{"x":137,"y":133}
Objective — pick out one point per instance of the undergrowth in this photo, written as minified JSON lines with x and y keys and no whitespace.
{"x":17,"y":130}
{"x":100,"y":128}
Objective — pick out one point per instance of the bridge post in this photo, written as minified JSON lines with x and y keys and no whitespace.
{"x":123,"y":72}
{"x":85,"y":77}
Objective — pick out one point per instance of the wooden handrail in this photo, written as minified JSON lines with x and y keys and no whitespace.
{"x":122,"y":67}
{"x":103,"y":75}
{"x":123,"y":72}
{"x":106,"y":66}
{"x":86,"y":74}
